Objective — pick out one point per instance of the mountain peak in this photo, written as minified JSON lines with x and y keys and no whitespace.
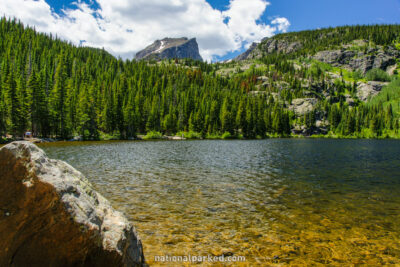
{"x":168,"y":48}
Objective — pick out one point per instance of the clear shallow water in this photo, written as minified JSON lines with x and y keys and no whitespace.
{"x":277,"y":202}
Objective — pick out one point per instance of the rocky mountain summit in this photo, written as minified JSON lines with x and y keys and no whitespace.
{"x":170,"y":48}
{"x":50,"y":215}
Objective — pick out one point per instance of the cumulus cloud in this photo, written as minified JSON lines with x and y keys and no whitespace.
{"x":282,"y":24}
{"x":242,"y":16}
{"x":124,"y":27}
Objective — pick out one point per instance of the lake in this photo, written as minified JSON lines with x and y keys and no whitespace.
{"x":276,"y":201}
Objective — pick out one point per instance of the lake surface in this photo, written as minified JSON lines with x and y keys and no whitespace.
{"x":276,"y":202}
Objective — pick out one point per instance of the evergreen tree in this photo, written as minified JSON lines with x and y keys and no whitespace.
{"x":58,"y":100}
{"x":14,"y":105}
{"x":226,"y":117}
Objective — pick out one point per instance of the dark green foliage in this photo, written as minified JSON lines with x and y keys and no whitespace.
{"x":377,"y":75}
{"x":357,"y":75}
{"x":55,"y":89}
{"x":390,"y":95}
{"x":14,"y":103}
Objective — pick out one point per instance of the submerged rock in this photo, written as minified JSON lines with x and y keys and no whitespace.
{"x":51,"y":216}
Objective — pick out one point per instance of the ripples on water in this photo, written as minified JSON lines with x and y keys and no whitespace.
{"x":277,"y":202}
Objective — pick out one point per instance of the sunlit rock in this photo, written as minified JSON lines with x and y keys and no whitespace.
{"x":51,"y":216}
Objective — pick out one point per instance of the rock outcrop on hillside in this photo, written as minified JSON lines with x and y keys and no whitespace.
{"x":373,"y":58}
{"x":301,"y":106}
{"x":358,"y":55}
{"x":269,"y":46}
{"x":171,"y":48}
{"x":51,"y":216}
{"x":365,"y":91}
{"x":246,"y":54}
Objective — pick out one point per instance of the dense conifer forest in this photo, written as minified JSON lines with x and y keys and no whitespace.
{"x":55,"y":89}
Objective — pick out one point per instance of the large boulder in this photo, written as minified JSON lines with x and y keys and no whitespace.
{"x":50,"y":215}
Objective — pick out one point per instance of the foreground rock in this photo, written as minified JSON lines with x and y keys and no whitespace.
{"x":51,"y":216}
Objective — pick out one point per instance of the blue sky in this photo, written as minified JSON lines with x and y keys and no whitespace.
{"x":314,"y":14}
{"x":307,"y":14}
{"x":223,"y":29}
{"x":58,"y":5}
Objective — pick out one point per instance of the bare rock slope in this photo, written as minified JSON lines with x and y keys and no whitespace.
{"x":377,"y":58}
{"x":170,"y":48}
{"x":51,"y":216}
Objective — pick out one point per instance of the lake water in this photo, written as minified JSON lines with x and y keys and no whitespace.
{"x":276,"y":202}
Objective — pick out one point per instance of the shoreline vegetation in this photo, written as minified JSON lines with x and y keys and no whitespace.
{"x":153,"y":135}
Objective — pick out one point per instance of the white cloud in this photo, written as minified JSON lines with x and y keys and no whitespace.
{"x":124,"y":27}
{"x":242,"y":15}
{"x":282,"y":24}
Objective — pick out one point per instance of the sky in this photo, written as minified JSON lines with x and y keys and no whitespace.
{"x":223,"y":28}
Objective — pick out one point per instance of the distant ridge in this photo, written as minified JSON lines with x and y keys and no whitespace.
{"x":310,"y":42}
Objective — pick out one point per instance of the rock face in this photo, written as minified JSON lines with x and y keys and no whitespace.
{"x":170,"y":48}
{"x":302,"y":106}
{"x":361,"y":60}
{"x":268,"y":46}
{"x":51,"y":216}
{"x":246,"y":54}
{"x":369,"y":89}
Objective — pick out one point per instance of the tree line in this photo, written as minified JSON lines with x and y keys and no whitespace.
{"x":55,"y":89}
